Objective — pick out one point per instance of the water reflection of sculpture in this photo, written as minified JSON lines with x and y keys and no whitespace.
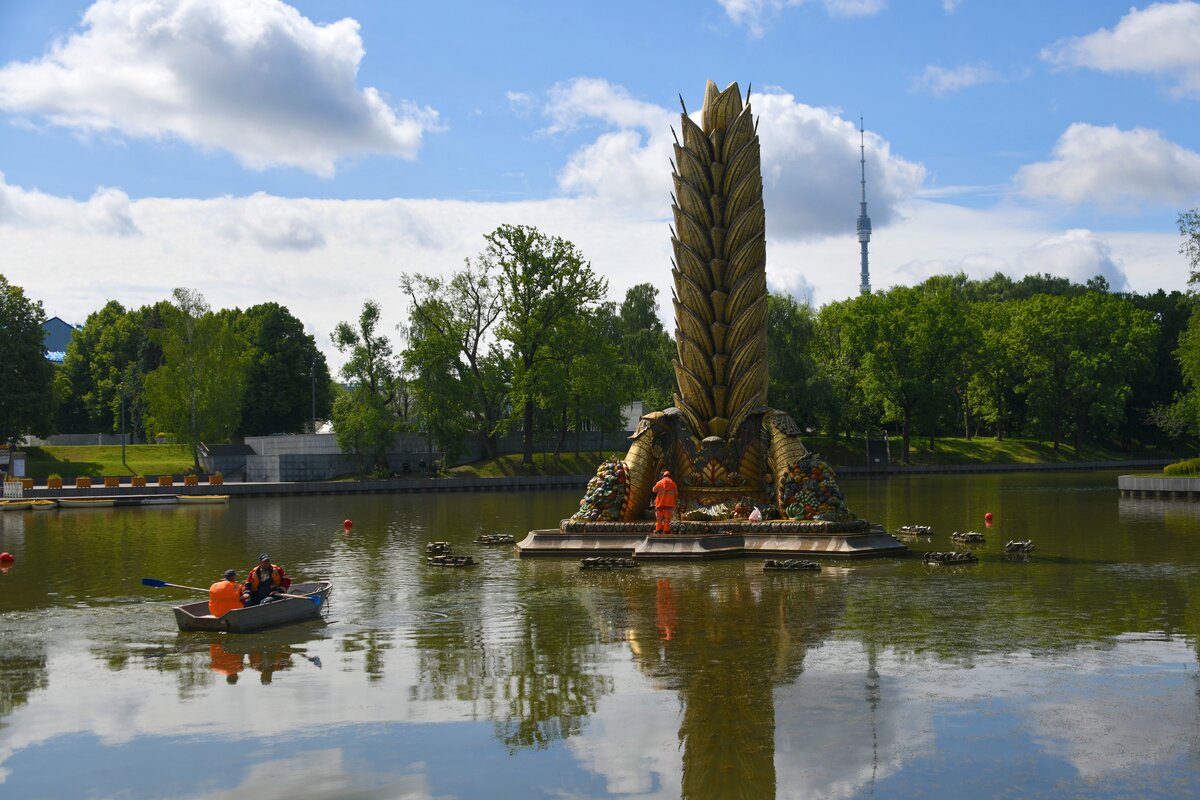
{"x":725,"y":655}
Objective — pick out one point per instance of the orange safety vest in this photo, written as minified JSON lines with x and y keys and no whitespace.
{"x":276,"y":578}
{"x":665,"y":493}
{"x":224,"y":596}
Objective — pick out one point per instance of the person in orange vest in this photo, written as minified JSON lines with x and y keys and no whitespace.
{"x":265,"y":582}
{"x":225,"y":595}
{"x":665,"y":495}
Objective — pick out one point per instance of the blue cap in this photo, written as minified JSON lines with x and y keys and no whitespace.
{"x":264,"y":557}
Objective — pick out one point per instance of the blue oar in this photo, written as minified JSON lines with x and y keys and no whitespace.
{"x":157,"y":584}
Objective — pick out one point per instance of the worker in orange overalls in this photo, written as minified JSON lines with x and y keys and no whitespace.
{"x":665,"y":495}
{"x":225,"y":595}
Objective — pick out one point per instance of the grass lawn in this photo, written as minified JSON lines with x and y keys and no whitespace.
{"x":99,"y":460}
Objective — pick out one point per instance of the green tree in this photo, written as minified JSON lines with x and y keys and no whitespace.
{"x":544,"y":283}
{"x":287,"y":378}
{"x":99,"y":370}
{"x":997,"y":370}
{"x":364,"y":427}
{"x":364,"y":418}
{"x":1081,"y":355}
{"x":1157,"y":387}
{"x":646,"y":348}
{"x":915,"y":342}
{"x":586,"y":396}
{"x":197,"y":392}
{"x":797,"y":384}
{"x":1189,"y":229}
{"x":26,"y":394}
{"x":839,"y":348}
{"x":459,"y":375}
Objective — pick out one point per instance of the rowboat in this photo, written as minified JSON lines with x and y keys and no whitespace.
{"x":15,"y":505}
{"x":202,"y":499}
{"x":85,"y":502}
{"x":195,"y":616}
{"x":43,"y":504}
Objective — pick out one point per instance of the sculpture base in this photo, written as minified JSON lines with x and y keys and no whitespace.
{"x":710,"y":540}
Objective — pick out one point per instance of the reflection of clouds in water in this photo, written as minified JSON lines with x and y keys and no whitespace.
{"x":1100,"y":711}
{"x":321,"y":774}
{"x":829,"y":742}
{"x":632,"y":739}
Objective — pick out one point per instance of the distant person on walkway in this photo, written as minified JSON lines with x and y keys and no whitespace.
{"x":665,"y":495}
{"x":265,"y":582}
{"x":225,"y":595}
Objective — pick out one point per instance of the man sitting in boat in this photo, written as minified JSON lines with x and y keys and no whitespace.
{"x":225,"y":595}
{"x":265,"y":582}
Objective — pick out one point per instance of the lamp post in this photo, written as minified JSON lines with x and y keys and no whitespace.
{"x":314,"y":394}
{"x":125,"y":465}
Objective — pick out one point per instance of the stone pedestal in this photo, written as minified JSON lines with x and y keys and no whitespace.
{"x":709,"y":540}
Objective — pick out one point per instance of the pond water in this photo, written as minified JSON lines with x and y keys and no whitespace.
{"x":1073,"y":673}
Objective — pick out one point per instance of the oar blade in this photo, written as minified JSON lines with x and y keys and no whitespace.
{"x":155,"y":582}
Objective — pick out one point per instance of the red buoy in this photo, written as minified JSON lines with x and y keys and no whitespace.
{"x":7,"y":558}
{"x":987,"y":517}
{"x":348,"y":523}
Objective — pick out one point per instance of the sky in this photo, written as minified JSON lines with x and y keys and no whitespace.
{"x":312,"y":153}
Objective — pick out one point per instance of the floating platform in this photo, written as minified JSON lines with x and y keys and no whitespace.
{"x":698,"y":541}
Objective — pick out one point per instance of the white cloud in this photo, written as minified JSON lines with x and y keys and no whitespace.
{"x":1161,"y":38}
{"x":1112,"y":167}
{"x":1078,"y":255}
{"x":521,"y":103}
{"x":940,"y":80}
{"x":809,"y":160}
{"x":756,"y":14}
{"x":235,"y":246}
{"x":276,"y":224}
{"x":950,"y":6}
{"x":811,"y":170}
{"x":105,"y":213}
{"x":252,"y":77}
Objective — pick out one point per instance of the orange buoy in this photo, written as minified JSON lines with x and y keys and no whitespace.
{"x":7,"y":558}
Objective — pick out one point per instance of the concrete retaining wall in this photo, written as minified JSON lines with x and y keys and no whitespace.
{"x":1135,"y":486}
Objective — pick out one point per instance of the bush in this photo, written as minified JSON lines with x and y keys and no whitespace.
{"x":1190,"y":466}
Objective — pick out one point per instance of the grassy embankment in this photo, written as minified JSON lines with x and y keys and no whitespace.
{"x":839,"y":452}
{"x":173,"y":459}
{"x":97,"y":461}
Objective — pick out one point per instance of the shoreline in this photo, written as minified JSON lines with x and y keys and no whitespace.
{"x":537,"y":482}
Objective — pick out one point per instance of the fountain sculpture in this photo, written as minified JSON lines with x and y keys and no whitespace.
{"x":728,"y":451}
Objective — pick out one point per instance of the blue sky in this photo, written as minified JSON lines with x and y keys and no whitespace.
{"x":310,"y":153}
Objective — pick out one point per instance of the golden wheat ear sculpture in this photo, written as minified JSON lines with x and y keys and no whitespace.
{"x":719,"y":268}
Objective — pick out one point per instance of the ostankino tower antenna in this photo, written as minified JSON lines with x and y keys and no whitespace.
{"x":864,"y":222}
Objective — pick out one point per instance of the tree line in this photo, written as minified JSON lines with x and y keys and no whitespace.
{"x":174,"y":368}
{"x":521,"y":338}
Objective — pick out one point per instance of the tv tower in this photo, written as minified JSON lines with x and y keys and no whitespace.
{"x":864,"y":222}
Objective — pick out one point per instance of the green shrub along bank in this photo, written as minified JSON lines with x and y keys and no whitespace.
{"x":1183,"y":469}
